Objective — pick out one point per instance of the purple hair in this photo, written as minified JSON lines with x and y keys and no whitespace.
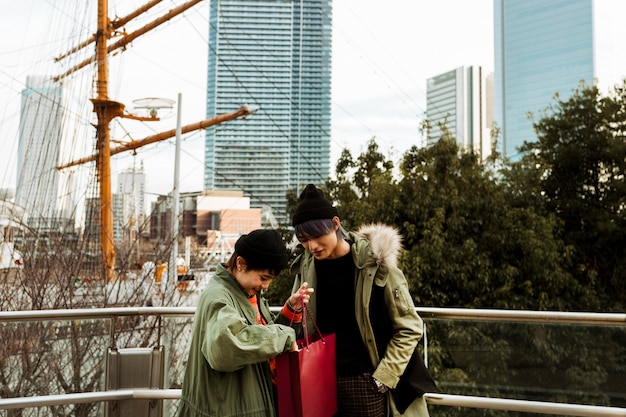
{"x":316,"y":228}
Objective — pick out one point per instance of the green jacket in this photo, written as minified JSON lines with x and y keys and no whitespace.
{"x":375,"y":249}
{"x":228,"y":372}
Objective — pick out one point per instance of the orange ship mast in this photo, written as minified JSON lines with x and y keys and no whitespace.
{"x":106,"y":110}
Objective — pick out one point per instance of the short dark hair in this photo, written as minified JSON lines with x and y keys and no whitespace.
{"x":315,"y":228}
{"x":231,"y":265}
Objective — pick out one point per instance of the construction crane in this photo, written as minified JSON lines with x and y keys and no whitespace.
{"x":107,"y":110}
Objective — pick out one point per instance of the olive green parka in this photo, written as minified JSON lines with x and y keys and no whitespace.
{"x":228,"y":372}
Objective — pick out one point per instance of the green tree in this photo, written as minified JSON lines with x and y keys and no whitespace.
{"x":578,"y":165}
{"x":468,"y":242}
{"x":364,"y":188}
{"x":467,"y":245}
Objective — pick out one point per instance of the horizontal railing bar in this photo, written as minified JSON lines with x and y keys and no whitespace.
{"x":538,"y":407}
{"x":161,"y":394}
{"x":60,"y":399}
{"x":90,"y":397}
{"x":548,"y":317}
{"x":93,"y":313}
{"x":435,"y":399}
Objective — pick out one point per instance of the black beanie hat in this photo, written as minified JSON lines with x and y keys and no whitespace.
{"x":313,"y":205}
{"x":263,"y":248}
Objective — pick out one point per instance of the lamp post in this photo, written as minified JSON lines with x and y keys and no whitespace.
{"x":172,"y":273}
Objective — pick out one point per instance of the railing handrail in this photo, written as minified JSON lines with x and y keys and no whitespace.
{"x":531,"y":316}
{"x":540,"y":407}
{"x":437,"y":399}
{"x":93,"y":313}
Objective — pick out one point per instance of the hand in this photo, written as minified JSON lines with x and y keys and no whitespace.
{"x":380,"y":387}
{"x":301,"y":297}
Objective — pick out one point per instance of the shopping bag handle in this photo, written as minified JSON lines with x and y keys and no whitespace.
{"x":306,"y":312}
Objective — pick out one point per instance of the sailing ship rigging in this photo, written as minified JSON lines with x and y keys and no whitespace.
{"x":110,"y":38}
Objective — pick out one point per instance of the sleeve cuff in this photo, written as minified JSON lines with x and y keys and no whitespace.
{"x":291,"y":315}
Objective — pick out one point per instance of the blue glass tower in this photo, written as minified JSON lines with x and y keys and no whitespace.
{"x":274,"y":56}
{"x":542,"y":47}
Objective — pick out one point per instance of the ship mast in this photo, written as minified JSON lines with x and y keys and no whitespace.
{"x":107,"y":110}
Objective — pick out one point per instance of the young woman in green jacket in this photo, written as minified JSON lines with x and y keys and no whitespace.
{"x":235,"y":338}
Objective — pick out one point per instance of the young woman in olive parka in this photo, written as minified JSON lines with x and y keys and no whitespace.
{"x":235,"y":338}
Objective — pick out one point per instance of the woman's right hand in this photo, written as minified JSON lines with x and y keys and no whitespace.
{"x":301,"y":297}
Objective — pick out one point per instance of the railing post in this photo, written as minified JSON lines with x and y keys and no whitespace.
{"x":425,"y":346}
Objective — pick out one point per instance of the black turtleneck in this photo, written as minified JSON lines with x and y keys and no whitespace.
{"x":335,"y":313}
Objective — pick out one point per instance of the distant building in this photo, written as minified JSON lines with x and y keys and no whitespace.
{"x":132,"y":182}
{"x":129,"y":204}
{"x":274,"y":56}
{"x":462,"y":100}
{"x":206,"y":215}
{"x":227,"y":212}
{"x":40,"y":136}
{"x":544,"y":47}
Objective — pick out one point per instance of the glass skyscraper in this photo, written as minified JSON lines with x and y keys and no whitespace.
{"x":542,"y":47}
{"x":273,"y":56}
{"x":461,"y":100}
{"x":41,"y":117}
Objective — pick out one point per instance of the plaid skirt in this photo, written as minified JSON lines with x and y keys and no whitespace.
{"x":357,"y":397}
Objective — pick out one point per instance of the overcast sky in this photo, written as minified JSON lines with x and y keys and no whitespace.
{"x":383,"y":53}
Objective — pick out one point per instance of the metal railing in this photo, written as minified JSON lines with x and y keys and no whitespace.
{"x":552,"y":317}
{"x":595,"y":319}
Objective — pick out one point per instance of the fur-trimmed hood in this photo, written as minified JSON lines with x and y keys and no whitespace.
{"x":385,"y":241}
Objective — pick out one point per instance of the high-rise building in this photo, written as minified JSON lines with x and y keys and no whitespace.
{"x":40,"y":135}
{"x":461,"y":100}
{"x":132,"y":183}
{"x":129,"y":203}
{"x":274,"y":56}
{"x":545,"y":47}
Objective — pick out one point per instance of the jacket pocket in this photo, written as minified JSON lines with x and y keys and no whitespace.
{"x":401,"y":298}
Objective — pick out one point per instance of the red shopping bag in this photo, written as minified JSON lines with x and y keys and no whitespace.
{"x":307,"y":378}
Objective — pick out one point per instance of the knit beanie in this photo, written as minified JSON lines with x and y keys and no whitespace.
{"x":263,"y":249}
{"x":312,"y":205}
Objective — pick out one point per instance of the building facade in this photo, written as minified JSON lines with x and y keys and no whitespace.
{"x":207,"y":217}
{"x":129,"y":204}
{"x":275,"y":57}
{"x":461,"y":101}
{"x":132,"y":183}
{"x":547,"y":47}
{"x":40,"y":136}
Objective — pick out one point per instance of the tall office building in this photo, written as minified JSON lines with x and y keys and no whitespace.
{"x":544,"y":47}
{"x":38,"y":151}
{"x":129,"y":203}
{"x":462,"y":101}
{"x":132,"y":183}
{"x":275,"y":56}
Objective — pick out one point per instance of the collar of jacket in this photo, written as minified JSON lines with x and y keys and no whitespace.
{"x":239,"y":295}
